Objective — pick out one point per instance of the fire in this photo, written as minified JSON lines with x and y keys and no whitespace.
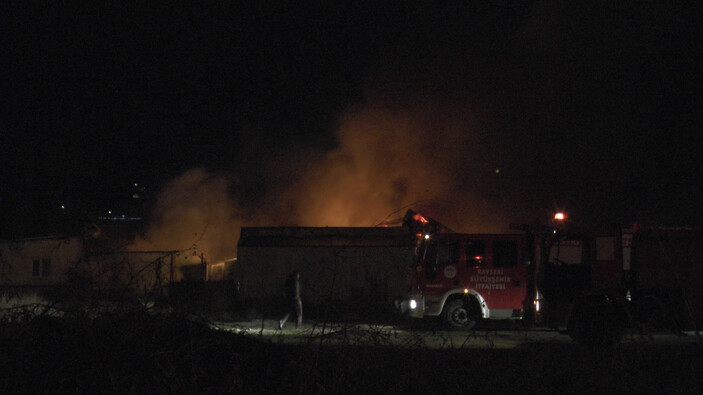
{"x":418,"y":217}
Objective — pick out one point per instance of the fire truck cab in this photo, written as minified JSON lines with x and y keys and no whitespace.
{"x":463,"y":278}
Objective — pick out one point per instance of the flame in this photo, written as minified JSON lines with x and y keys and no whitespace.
{"x":418,"y":217}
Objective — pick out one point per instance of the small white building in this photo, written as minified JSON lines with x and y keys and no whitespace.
{"x":28,"y":266}
{"x":39,"y":261}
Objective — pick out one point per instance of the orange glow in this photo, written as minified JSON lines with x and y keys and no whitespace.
{"x":420,"y":218}
{"x":369,"y":174}
{"x":559,"y":216}
{"x":478,"y":257}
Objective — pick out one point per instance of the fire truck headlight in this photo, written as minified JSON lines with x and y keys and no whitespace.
{"x":413,"y":304}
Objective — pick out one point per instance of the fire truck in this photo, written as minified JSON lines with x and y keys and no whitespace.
{"x":665,"y":279}
{"x":590,"y":284}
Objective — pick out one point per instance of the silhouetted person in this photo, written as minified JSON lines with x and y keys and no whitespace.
{"x":295,"y":304}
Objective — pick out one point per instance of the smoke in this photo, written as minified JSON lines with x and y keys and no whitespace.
{"x":416,"y":153}
{"x":420,"y":155}
{"x":197,"y":214}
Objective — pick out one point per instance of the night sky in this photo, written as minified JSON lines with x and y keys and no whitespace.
{"x":482,"y":115}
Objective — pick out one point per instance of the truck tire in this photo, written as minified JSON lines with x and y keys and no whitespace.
{"x":460,"y":314}
{"x":597,"y":325}
{"x":650,"y":311}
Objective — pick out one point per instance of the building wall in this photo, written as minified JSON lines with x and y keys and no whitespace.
{"x":37,"y":262}
{"x":328,"y":273}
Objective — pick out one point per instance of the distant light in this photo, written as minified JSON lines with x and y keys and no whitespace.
{"x":427,"y":237}
{"x":109,"y":211}
{"x":559,"y":216}
{"x":466,"y":290}
{"x":135,"y":196}
{"x":63,"y":207}
{"x":497,"y":171}
{"x":413,"y":304}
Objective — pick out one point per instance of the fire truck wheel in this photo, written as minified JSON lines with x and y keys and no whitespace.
{"x":597,"y":324}
{"x":457,"y":315}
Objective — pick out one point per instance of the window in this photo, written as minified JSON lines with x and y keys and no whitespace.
{"x":430,"y":260}
{"x":605,"y":248}
{"x":440,"y":253}
{"x":475,"y":253}
{"x":41,"y":267}
{"x":36,"y":268}
{"x":46,"y":267}
{"x":567,"y":252}
{"x":505,"y":253}
{"x":447,"y":252}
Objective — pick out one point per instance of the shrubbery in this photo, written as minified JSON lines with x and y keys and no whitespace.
{"x":140,"y":351}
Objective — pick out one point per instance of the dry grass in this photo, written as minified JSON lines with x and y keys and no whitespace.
{"x":136,"y":351}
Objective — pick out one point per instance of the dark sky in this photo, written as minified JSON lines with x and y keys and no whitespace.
{"x":592,"y":108}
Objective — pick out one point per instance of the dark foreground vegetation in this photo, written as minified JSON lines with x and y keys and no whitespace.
{"x":138,"y":351}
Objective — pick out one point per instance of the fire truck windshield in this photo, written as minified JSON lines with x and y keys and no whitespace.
{"x":566,"y":252}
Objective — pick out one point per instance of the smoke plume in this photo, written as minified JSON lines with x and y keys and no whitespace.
{"x":195,"y":213}
{"x":390,"y":158}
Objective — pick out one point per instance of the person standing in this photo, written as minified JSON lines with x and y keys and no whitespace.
{"x":293,"y":298}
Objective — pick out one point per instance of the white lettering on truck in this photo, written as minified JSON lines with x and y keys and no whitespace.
{"x":487,"y":279}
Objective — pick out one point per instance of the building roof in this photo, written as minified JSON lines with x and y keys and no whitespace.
{"x":325,"y":236}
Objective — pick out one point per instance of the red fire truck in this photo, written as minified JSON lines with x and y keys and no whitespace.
{"x":592,"y":284}
{"x":665,"y":280}
{"x":542,"y":275}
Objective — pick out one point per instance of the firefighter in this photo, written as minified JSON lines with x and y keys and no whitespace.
{"x":295,"y":304}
